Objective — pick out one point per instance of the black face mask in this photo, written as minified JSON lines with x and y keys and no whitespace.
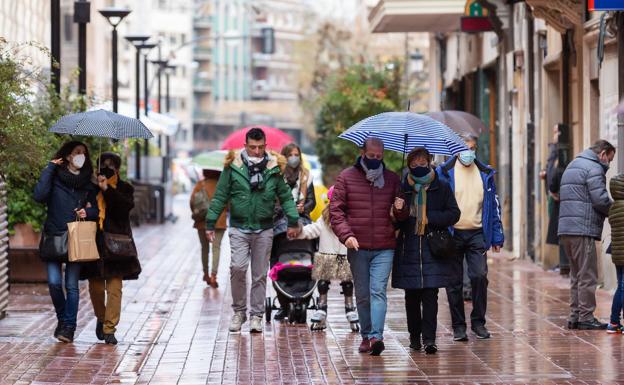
{"x":419,"y":171}
{"x":372,"y":164}
{"x":107,"y":172}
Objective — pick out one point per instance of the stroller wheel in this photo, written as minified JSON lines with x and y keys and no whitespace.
{"x":292,"y":313}
{"x":303,"y":315}
{"x":268,"y":309}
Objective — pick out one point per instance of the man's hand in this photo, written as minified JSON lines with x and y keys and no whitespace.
{"x":293,"y":232}
{"x":102,"y":182}
{"x":399,"y":203}
{"x":300,"y":207}
{"x":496,"y":248}
{"x":210,"y":234}
{"x":352,"y":243}
{"x":82,"y":213}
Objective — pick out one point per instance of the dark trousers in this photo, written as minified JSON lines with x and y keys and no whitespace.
{"x":421,"y":307}
{"x":471,"y":246}
{"x":617,"y":307}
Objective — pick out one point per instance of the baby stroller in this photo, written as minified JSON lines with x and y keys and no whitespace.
{"x":292,"y":279}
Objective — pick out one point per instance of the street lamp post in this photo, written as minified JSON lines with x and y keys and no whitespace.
{"x":162,"y":64}
{"x":138,"y":41}
{"x":114,"y":16}
{"x":82,"y":16}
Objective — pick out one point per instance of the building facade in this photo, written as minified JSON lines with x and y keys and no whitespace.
{"x":539,"y":66}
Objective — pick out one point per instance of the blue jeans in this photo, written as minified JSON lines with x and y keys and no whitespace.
{"x":66,"y":307}
{"x":371,"y":271}
{"x":618,"y":298}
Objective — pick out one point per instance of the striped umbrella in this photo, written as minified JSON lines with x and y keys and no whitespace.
{"x":101,"y":123}
{"x":403,"y":131}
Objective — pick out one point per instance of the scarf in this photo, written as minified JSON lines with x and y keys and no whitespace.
{"x":255,"y":170}
{"x":112,"y":182}
{"x":374,"y":176}
{"x":291,"y":176}
{"x":75,"y":181}
{"x":418,"y":208}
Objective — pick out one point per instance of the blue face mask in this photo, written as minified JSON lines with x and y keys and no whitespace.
{"x":372,"y":164}
{"x":467,"y":157}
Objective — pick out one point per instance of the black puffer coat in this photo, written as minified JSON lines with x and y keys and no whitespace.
{"x":119,"y":202}
{"x":414,"y":265}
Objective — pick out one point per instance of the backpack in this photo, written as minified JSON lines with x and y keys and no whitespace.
{"x":200,"y":205}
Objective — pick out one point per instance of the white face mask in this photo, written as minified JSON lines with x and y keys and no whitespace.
{"x":78,"y":160}
{"x":254,"y":159}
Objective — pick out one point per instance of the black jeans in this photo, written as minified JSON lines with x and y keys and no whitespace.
{"x":421,"y":307}
{"x":471,"y":246}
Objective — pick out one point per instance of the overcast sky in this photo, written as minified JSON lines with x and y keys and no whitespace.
{"x":342,"y":9}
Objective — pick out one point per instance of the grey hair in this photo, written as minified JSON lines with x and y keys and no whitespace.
{"x":373,"y":140}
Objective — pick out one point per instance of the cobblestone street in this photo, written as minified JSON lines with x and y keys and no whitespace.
{"x":174,"y":330}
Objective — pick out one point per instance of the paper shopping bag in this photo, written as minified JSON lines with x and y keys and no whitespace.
{"x":81,"y":246}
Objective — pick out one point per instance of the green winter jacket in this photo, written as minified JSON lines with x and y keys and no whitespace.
{"x":251,"y":210}
{"x":616,"y":219}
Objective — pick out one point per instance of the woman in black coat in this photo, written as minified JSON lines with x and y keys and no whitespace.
{"x":432,"y":207}
{"x":115,"y":200}
{"x":66,"y":187}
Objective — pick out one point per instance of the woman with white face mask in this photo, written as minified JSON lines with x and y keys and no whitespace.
{"x":66,"y":187}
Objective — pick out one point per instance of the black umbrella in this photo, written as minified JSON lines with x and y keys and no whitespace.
{"x":101,"y":123}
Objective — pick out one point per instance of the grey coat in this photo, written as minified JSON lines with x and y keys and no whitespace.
{"x":585,"y":201}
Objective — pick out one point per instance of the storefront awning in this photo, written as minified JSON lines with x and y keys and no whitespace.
{"x":416,"y":15}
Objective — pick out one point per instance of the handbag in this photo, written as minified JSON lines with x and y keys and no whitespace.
{"x":118,"y":247}
{"x":53,"y":247}
{"x":81,"y":241}
{"x":441,"y":243}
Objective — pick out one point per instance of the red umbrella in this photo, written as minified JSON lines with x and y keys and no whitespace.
{"x":276,"y":138}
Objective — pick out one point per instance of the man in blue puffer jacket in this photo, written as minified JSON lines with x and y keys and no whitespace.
{"x":479,"y":229}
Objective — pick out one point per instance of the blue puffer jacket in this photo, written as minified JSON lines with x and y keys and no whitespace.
{"x":62,"y":200}
{"x":491,"y":216}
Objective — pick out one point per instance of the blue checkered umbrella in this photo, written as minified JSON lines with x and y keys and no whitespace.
{"x":101,"y":123}
{"x":403,"y":131}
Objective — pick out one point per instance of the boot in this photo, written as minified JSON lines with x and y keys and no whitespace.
{"x":351,"y":313}
{"x":206,"y":278}
{"x":212,"y":281}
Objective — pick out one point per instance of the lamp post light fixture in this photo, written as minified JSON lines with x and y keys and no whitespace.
{"x":417,"y":62}
{"x":138,"y":41}
{"x":114,"y":16}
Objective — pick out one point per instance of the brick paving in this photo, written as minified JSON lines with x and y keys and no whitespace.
{"x":173,"y":330}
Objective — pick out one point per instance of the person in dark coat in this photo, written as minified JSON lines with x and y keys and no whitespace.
{"x":67,"y":189}
{"x":115,"y":200}
{"x":432,"y":206}
{"x":554,"y":170}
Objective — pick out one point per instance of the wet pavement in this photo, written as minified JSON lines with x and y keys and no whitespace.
{"x":173,"y":330}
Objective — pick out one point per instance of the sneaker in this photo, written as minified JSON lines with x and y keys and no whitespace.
{"x":572,"y":325}
{"x":430,"y":348}
{"x":59,"y":327}
{"x":110,"y":339}
{"x":459,"y":334}
{"x":364,"y":346}
{"x":238,"y":319}
{"x":99,"y":330}
{"x":481,"y":332}
{"x":66,"y":334}
{"x":595,"y":324}
{"x":255,"y":326}
{"x":376,"y":347}
{"x":614,"y":328}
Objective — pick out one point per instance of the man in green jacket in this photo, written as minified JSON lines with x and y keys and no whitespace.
{"x":251,"y":183}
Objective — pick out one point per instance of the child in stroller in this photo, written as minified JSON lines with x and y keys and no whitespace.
{"x":330,"y":262}
{"x":291,"y":273}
